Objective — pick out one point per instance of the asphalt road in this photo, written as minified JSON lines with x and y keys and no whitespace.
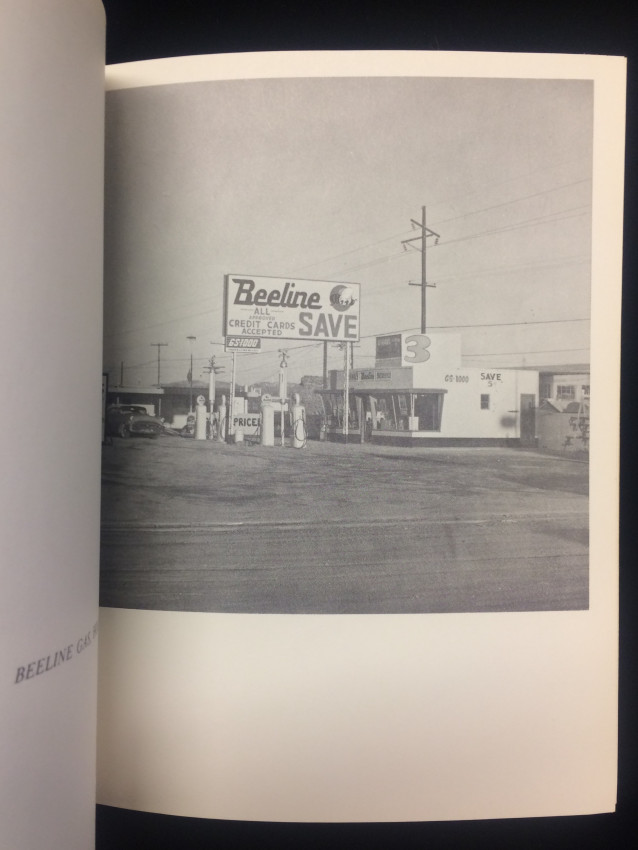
{"x":341,"y":529}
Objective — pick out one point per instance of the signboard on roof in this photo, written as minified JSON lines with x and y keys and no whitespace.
{"x":290,"y":308}
{"x":388,"y":350}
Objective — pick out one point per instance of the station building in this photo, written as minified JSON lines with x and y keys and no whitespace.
{"x":419,"y":393}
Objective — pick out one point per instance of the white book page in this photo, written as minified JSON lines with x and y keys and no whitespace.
{"x":377,"y":716}
{"x":51,"y":208}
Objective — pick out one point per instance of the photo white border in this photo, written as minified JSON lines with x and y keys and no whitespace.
{"x":388,"y":717}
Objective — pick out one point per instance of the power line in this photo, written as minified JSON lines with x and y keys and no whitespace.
{"x":496,"y":184}
{"x":514,"y":201}
{"x":501,"y":270}
{"x":454,"y":218}
{"x":355,"y":250}
{"x":138,"y":365}
{"x":551,"y":218}
{"x":511,"y":324}
{"x":524,"y":353}
{"x":479,"y":325}
{"x":375,"y":292}
{"x":123,"y":331}
{"x":530,"y":222}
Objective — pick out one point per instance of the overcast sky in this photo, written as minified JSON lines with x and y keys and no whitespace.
{"x":319,"y":178}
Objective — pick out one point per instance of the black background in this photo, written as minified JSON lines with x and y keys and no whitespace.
{"x":151,"y":29}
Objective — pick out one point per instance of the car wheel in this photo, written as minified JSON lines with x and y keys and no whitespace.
{"x":123,"y":431}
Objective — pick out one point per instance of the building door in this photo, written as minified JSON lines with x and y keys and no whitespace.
{"x":528,"y":419}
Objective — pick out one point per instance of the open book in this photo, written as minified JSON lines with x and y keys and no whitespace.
{"x":366,"y":570}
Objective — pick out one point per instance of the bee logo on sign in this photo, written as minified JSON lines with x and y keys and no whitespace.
{"x":260,"y":307}
{"x":342,"y":297}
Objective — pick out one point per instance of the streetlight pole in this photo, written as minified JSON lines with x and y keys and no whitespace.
{"x":190,"y":374}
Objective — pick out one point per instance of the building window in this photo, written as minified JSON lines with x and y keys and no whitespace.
{"x":566,"y":392}
{"x":546,"y":390}
{"x":391,"y":412}
{"x":485,"y":401}
{"x":333,"y":408}
{"x":428,"y":407}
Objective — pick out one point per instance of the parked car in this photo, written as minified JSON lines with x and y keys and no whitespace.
{"x":125,"y":420}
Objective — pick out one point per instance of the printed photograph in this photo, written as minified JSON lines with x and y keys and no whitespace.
{"x":347,"y":346}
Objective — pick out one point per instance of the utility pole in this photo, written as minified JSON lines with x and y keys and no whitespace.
{"x":407,"y":243}
{"x":191,"y":339}
{"x":325,"y":364}
{"x":159,"y":346}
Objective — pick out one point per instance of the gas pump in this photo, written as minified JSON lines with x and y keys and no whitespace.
{"x":283,"y":391}
{"x":297,"y":412}
{"x":200,"y":418}
{"x":298,"y":422}
{"x":267,"y":421}
{"x":221,"y":436}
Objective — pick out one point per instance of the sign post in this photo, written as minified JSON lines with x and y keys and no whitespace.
{"x":283,"y":391}
{"x":211,"y":397}
{"x":231,"y":406}
{"x":346,"y":390}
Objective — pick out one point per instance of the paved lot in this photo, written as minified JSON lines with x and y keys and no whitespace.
{"x":330,"y":528}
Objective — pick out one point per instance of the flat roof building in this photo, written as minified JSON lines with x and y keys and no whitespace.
{"x":419,"y":393}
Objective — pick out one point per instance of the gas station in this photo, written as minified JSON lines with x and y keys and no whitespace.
{"x":260,"y":308}
{"x":418,"y":393}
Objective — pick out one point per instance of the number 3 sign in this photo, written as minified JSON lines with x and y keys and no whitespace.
{"x":417,"y":348}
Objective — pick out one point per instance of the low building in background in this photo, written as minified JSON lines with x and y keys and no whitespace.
{"x":563,"y":414}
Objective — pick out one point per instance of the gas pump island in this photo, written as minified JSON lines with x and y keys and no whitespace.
{"x":258,"y":308}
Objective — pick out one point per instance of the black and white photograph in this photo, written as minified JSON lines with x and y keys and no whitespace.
{"x":347,"y":340}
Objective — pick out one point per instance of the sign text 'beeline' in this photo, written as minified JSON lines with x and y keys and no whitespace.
{"x":289,"y":297}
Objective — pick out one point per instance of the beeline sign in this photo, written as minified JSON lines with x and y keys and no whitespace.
{"x":281,"y":308}
{"x":275,"y":297}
